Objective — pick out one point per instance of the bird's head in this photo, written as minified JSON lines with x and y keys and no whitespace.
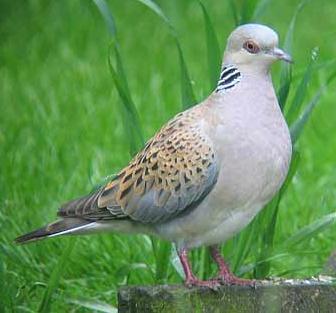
{"x":254,"y":45}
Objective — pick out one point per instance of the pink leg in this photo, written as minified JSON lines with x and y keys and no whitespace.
{"x":224,"y":273}
{"x":191,"y":279}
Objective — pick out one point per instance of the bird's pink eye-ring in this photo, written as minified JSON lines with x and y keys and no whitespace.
{"x":251,"y":47}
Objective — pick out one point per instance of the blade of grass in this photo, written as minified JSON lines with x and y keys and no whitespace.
{"x":130,"y":117}
{"x":213,"y":51}
{"x":301,"y":90}
{"x":188,"y":98}
{"x":326,"y":64}
{"x":157,"y":10}
{"x":298,"y":125}
{"x":175,"y":261}
{"x":162,"y":251}
{"x":234,"y":11}
{"x":247,"y":11}
{"x":310,"y":231}
{"x":269,"y":218}
{"x":204,"y":260}
{"x":187,"y":94}
{"x":55,"y":277}
{"x":7,"y":294}
{"x":296,"y":157}
{"x":105,"y":12}
{"x":260,"y":8}
{"x":243,"y":245}
{"x":109,"y":21}
{"x":93,"y":305}
{"x":125,"y":271}
{"x":293,"y":270}
{"x":251,"y":266}
{"x":286,"y":68}
{"x":318,"y":66}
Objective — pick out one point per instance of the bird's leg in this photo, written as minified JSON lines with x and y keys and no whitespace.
{"x":190,"y":278}
{"x":225,"y":276}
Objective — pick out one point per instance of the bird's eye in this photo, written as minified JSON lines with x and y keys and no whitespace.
{"x":251,"y":47}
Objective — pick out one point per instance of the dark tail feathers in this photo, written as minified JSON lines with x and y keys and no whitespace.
{"x":64,"y":226}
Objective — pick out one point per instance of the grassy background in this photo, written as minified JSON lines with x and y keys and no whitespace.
{"x":61,"y":133}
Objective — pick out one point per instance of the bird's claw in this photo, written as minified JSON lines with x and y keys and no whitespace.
{"x":233,"y":280}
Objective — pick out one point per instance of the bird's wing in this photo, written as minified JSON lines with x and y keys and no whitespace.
{"x":175,"y":171}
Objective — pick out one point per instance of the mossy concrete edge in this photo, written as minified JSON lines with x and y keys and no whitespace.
{"x":267,"y":296}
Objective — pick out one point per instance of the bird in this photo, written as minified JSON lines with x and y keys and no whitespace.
{"x":207,"y":172}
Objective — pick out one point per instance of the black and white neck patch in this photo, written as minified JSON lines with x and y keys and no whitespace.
{"x":229,"y":77}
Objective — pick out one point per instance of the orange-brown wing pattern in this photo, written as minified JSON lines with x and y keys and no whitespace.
{"x":175,"y":169}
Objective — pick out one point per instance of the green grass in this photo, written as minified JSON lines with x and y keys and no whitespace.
{"x":62,"y":131}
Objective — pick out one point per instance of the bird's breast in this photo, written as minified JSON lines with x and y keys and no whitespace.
{"x":254,"y":153}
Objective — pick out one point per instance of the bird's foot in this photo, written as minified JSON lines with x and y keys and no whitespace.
{"x":230,"y":279}
{"x":213,"y":284}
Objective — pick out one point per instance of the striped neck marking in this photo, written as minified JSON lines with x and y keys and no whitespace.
{"x":230,"y":76}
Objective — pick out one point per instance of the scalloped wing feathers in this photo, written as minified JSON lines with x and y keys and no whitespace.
{"x":176,"y":169}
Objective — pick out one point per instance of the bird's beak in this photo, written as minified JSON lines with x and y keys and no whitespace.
{"x":282,"y":55}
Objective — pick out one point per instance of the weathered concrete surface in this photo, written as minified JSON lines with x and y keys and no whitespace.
{"x":268,"y":296}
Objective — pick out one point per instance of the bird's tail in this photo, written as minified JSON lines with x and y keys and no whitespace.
{"x":60,"y":227}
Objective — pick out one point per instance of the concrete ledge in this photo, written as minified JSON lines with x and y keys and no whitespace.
{"x":314,"y":295}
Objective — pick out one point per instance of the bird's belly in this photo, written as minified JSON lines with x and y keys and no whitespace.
{"x":213,"y":221}
{"x":225,"y":227}
{"x":208,"y":225}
